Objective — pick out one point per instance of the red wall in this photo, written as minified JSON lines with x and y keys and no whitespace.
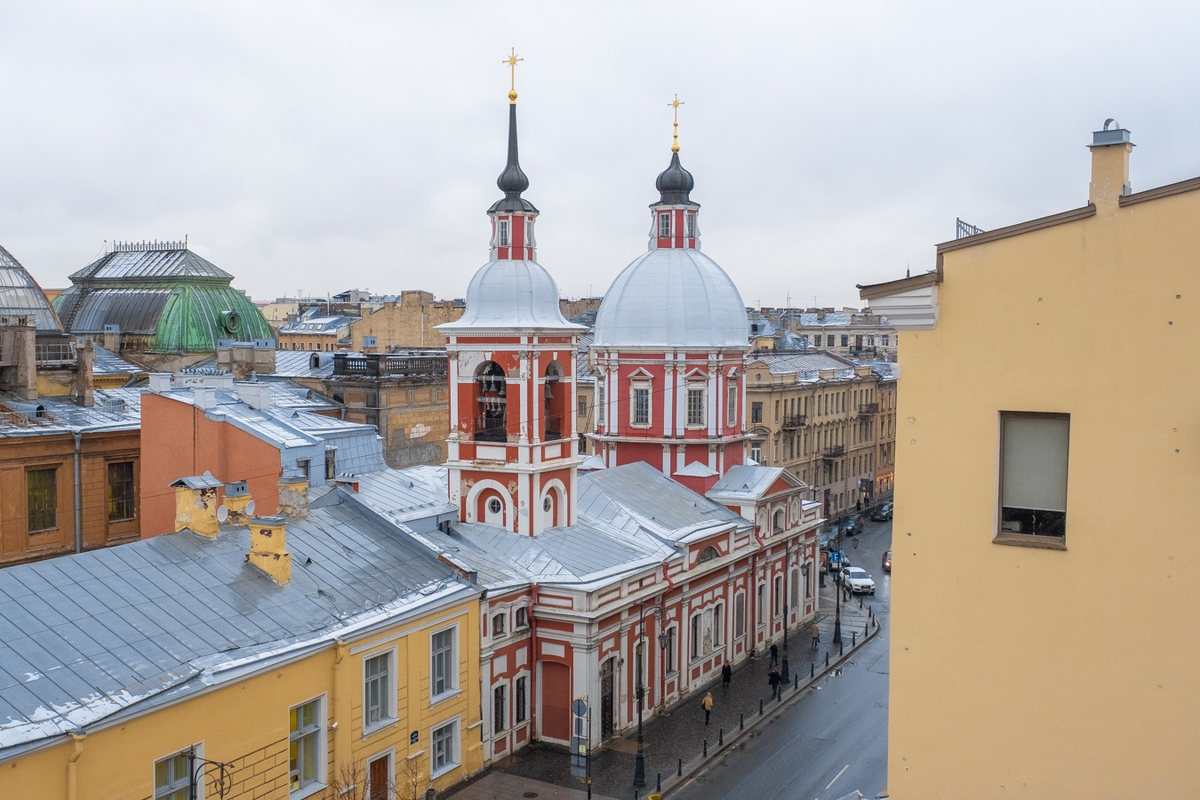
{"x":178,"y":441}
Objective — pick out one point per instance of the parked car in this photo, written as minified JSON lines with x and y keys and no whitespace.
{"x":882,"y":513}
{"x":887,"y":561}
{"x":857,"y":580}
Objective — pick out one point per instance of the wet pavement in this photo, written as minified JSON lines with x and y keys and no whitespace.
{"x":679,"y":732}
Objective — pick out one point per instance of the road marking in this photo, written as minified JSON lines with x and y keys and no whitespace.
{"x":835,"y":777}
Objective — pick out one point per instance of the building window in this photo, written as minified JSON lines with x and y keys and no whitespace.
{"x":795,"y":588}
{"x":121,"y":504}
{"x":731,"y":406}
{"x":502,"y":233}
{"x":499,"y":707}
{"x":498,"y":620}
{"x":829,"y":340}
{"x":583,"y":407}
{"x":305,"y":466}
{"x":522,"y":618}
{"x":696,"y":623}
{"x":529,"y":232}
{"x":664,"y":225}
{"x":599,"y":403}
{"x":690,"y":221}
{"x":779,"y":595}
{"x":42,"y":487}
{"x":444,"y":741}
{"x":886,"y":340}
{"x":756,"y":451}
{"x":695,"y":406}
{"x":494,"y":505}
{"x":330,"y":464}
{"x":377,"y":691}
{"x":1033,"y":474}
{"x":444,"y":663}
{"x":305,"y":745}
{"x":760,"y":615}
{"x":669,"y":652}
{"x":718,"y":624}
{"x":521,"y":703}
{"x":845,"y":340}
{"x":640,"y":411}
{"x":172,"y":777}
{"x":756,"y":412}
{"x":739,"y":615}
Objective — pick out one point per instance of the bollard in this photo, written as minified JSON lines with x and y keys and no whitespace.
{"x":720,"y":736}
{"x":760,"y":707}
{"x":853,"y":638}
{"x":796,"y":685}
{"x":842,"y":649}
{"x":866,"y":628}
{"x":741,"y":721}
{"x":827,"y":658}
{"x":812,"y":670}
{"x":658,"y":783}
{"x":681,"y":768}
{"x":870,"y":612}
{"x":706,"y":748}
{"x":635,"y":794}
{"x":860,"y":602}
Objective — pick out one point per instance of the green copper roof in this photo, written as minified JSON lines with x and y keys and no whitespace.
{"x":173,"y":301}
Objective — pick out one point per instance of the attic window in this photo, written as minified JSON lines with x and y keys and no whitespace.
{"x":708,"y":555}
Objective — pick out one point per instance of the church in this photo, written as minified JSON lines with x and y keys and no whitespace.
{"x":631,"y":585}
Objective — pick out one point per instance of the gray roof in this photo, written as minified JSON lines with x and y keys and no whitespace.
{"x":109,"y":363}
{"x":84,"y":637}
{"x":298,"y":364}
{"x":747,"y":483}
{"x":136,"y":311}
{"x":806,"y":364}
{"x":53,"y":416}
{"x":166,"y":265}
{"x":20,"y":295}
{"x":317,"y":325}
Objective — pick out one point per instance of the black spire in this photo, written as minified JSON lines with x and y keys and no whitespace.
{"x":674,"y":183}
{"x":512,"y":180}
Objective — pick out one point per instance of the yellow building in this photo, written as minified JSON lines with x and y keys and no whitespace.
{"x":282,"y":659}
{"x":1043,"y":614}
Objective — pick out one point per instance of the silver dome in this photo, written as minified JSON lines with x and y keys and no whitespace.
{"x":672,"y":297}
{"x":511,"y":294}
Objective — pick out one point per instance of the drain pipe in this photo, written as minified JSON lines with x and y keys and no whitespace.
{"x":72,"y":792}
{"x":78,"y":498}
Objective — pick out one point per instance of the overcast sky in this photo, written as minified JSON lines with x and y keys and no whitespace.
{"x":320,"y":146}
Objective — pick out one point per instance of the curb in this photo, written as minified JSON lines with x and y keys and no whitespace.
{"x":677,"y":782}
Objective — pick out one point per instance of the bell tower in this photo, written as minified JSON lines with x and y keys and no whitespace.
{"x":512,"y":447}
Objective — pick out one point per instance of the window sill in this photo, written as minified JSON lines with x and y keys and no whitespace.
{"x":1030,"y":540}
{"x":382,"y":725}
{"x":440,"y":772}
{"x":444,"y":696}
{"x":307,"y":791}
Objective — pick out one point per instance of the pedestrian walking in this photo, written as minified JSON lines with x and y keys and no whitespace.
{"x":707,"y":704}
{"x":816,"y":633}
{"x":774,"y":654}
{"x":726,"y":677}
{"x":773,"y":679}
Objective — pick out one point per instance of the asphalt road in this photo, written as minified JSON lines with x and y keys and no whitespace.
{"x":834,"y":739}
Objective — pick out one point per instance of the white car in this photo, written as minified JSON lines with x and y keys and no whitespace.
{"x":857,"y":580}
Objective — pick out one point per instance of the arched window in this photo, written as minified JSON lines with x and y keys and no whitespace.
{"x":555,"y":400}
{"x":709,"y":554}
{"x":777,"y":525}
{"x":491,"y":423}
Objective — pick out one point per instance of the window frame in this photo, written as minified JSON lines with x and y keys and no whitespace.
{"x":664,"y":225}
{"x":696,"y":405}
{"x":520,"y":700}
{"x":453,"y":758}
{"x":129,"y":500}
{"x":499,"y":630}
{"x":450,"y":666}
{"x":1045,"y":541}
{"x":183,"y":784}
{"x":731,"y":405}
{"x":316,"y":731}
{"x":636,"y":386}
{"x":500,"y":707}
{"x":739,"y":615}
{"x":520,"y":618}
{"x":503,"y":236}
{"x":388,"y":715}
{"x":600,"y":402}
{"x":46,"y":512}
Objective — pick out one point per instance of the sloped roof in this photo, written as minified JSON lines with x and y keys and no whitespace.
{"x":20,"y":295}
{"x":155,"y":265}
{"x":747,"y":483}
{"x":84,"y":637}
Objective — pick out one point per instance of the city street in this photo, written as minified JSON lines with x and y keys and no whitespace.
{"x":832,"y":741}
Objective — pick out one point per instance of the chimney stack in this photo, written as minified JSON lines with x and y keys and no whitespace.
{"x":238,"y":505}
{"x":85,"y":365}
{"x":255,"y":395}
{"x":196,"y":504}
{"x":1110,"y":165}
{"x":268,"y":548}
{"x":293,"y":497}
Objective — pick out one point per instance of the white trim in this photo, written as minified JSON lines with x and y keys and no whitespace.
{"x":456,"y":745}
{"x":390,"y":691}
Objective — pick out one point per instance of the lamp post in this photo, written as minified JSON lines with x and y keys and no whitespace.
{"x":639,"y":768}
{"x":837,"y":585}
{"x":787,"y":568}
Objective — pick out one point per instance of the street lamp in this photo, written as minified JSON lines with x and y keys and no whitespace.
{"x":639,"y":769}
{"x":787,"y":568}
{"x":837,"y":585}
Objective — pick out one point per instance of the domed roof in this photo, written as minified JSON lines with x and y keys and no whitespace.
{"x":511,"y":294}
{"x":675,"y":183}
{"x":20,"y":296}
{"x":673,"y":297}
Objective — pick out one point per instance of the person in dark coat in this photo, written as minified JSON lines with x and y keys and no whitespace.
{"x":774,"y":654}
{"x":726,"y":676}
{"x":773,"y":679}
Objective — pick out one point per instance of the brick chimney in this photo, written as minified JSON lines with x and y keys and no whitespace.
{"x":196,"y":504}
{"x":1110,"y":165}
{"x":268,"y":548}
{"x":85,"y":367}
{"x":18,"y":357}
{"x":293,"y":497}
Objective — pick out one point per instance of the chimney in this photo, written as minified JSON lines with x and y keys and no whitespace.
{"x":255,"y":395}
{"x":238,"y":505}
{"x":85,"y":365}
{"x":18,"y":357}
{"x":1110,"y":165}
{"x":196,"y":504}
{"x":160,"y":382}
{"x":293,"y":497}
{"x":268,"y":548}
{"x":204,"y":397}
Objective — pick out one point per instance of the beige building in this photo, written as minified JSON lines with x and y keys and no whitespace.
{"x":408,"y":321}
{"x":1043,"y":617}
{"x":819,"y":415}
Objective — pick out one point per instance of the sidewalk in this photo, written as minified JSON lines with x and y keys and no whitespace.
{"x":679,"y":732}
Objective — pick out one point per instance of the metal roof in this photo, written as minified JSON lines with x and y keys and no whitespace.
{"x":83,"y":637}
{"x":20,"y":295}
{"x":511,"y":294}
{"x":108,"y":363}
{"x":60,"y":415}
{"x":157,"y":265}
{"x":746,"y":483}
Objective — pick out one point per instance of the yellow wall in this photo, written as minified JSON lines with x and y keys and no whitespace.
{"x":1038,"y":673}
{"x":247,"y":723}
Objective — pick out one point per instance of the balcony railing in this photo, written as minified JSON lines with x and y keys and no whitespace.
{"x":490,"y":429}
{"x":836,"y":451}
{"x":868,"y":408}
{"x":864,"y":351}
{"x":794,"y":421}
{"x":385,"y":365}
{"x":48,"y":353}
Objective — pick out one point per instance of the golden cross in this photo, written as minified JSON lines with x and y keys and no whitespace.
{"x":512,"y":62}
{"x":675,"y":104}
